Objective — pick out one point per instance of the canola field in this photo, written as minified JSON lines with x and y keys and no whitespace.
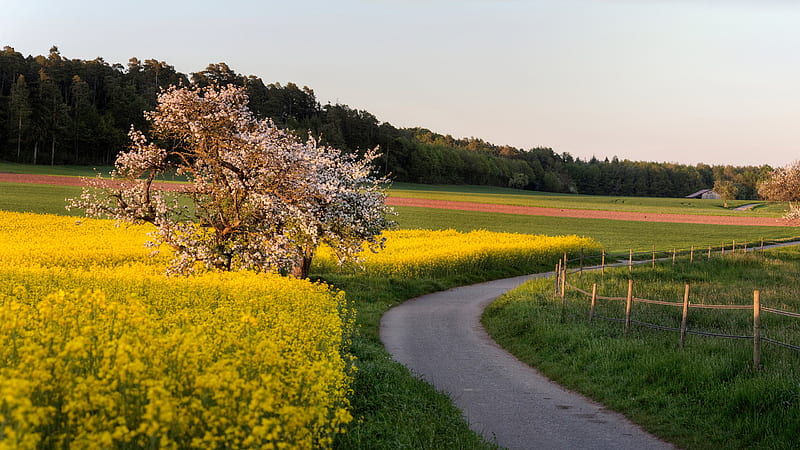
{"x":99,"y":349}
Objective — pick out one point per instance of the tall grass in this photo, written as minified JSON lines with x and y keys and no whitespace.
{"x":707,"y":395}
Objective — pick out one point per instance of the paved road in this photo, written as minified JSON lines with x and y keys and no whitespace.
{"x":440,"y":339}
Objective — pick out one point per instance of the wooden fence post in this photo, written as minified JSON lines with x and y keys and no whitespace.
{"x":557,"y":275}
{"x":653,"y":265}
{"x":723,"y":248}
{"x":757,"y":330}
{"x":762,"y":243}
{"x":563,"y":285}
{"x":691,"y":255}
{"x":630,"y":260}
{"x":603,"y":263}
{"x":628,"y":303}
{"x":685,"y":317}
{"x":581,"y":259}
{"x":594,"y":300}
{"x":709,"y":252}
{"x":733,"y":247}
{"x":674,"y":251}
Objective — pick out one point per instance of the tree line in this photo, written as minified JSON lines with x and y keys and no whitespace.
{"x":55,"y":110}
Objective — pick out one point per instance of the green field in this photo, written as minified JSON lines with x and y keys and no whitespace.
{"x":614,"y":235}
{"x":516,"y":197}
{"x":504,"y":196}
{"x":65,"y":171}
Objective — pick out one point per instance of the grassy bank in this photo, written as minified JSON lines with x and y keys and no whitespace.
{"x":705,"y":396}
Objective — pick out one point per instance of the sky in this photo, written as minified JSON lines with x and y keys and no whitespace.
{"x":686,"y":81}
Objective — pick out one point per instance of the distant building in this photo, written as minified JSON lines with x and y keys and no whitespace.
{"x":706,"y":194}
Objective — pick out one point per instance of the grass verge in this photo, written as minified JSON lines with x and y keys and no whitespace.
{"x":705,"y":396}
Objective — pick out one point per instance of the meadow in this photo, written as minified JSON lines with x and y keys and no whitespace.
{"x":706,"y":395}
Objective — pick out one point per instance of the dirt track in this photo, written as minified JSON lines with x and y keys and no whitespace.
{"x":484,"y":207}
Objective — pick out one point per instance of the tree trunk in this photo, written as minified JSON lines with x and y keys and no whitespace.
{"x":19,"y":137}
{"x":302,"y":265}
{"x":53,"y":151}
{"x":35,"y":151}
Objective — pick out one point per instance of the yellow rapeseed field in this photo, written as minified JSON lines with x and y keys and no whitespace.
{"x":425,"y":253}
{"x":99,"y":349}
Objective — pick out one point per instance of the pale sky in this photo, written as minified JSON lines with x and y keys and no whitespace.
{"x":714,"y":81}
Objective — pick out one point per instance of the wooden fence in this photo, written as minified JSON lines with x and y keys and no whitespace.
{"x":561,"y":287}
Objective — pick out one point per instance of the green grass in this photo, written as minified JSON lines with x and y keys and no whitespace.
{"x":705,"y":396}
{"x":67,"y":171}
{"x":507,"y":196}
{"x":614,"y":235}
{"x":37,"y":198}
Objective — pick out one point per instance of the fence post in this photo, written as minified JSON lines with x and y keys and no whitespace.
{"x":745,"y":247}
{"x":594,"y":300}
{"x":685,"y":317}
{"x":581,"y":259}
{"x":603,"y":263}
{"x":757,"y":330}
{"x":762,"y":243}
{"x":630,"y":260}
{"x":563,"y":285}
{"x":628,"y":303}
{"x":557,"y":275}
{"x":691,"y":255}
{"x":653,"y":265}
{"x":674,"y":251}
{"x":733,"y":247}
{"x":709,"y":252}
{"x":723,"y":248}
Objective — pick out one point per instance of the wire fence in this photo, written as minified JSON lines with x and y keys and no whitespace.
{"x":588,"y":262}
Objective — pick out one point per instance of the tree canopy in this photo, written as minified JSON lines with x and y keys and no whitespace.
{"x":262,"y":199}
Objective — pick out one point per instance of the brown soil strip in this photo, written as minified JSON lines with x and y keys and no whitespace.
{"x":482,"y":207}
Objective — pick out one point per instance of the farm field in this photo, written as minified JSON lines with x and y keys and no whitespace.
{"x":390,"y":406}
{"x":614,"y":235}
{"x":704,"y":396}
{"x":503,"y":196}
{"x":82,"y":257}
{"x":508,"y":196}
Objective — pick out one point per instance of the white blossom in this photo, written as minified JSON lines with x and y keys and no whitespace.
{"x":262,"y":199}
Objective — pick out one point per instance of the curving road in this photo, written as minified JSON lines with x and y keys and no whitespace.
{"x":439,"y":337}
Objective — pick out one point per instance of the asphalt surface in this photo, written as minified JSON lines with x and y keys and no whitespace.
{"x":439,"y":337}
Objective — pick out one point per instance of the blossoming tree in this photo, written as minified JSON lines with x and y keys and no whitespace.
{"x":783,"y":185}
{"x":261,"y":198}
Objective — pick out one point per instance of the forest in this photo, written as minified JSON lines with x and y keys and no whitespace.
{"x":56,"y":110}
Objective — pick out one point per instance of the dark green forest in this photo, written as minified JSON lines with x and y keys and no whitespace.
{"x":55,"y":110}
